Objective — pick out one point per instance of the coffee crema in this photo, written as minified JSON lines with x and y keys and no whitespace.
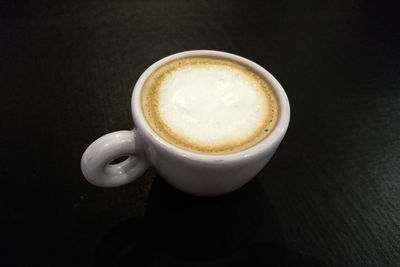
{"x":209,"y":105}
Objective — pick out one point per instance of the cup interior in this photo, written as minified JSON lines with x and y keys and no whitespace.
{"x":270,"y":141}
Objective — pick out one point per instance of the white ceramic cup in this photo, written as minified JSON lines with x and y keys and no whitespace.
{"x":193,"y":173}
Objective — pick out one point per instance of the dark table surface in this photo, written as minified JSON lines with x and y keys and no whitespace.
{"x":330,"y":195}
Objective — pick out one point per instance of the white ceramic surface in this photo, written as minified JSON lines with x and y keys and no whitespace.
{"x":197,"y":174}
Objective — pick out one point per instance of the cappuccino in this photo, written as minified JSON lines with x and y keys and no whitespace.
{"x":209,"y":105}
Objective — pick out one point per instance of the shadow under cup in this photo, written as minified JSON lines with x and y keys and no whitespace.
{"x":238,"y":229}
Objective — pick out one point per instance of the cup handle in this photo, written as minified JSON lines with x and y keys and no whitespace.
{"x":95,"y":162}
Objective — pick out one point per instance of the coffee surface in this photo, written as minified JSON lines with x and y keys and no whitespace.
{"x":209,"y":105}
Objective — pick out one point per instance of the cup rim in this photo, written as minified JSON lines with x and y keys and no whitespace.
{"x":270,"y":142}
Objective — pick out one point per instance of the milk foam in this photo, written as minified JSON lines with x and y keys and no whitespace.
{"x":212,"y":105}
{"x":209,"y":105}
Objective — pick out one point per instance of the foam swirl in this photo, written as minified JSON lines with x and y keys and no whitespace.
{"x":209,"y":105}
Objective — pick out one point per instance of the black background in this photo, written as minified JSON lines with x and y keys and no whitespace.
{"x":330,"y":195}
